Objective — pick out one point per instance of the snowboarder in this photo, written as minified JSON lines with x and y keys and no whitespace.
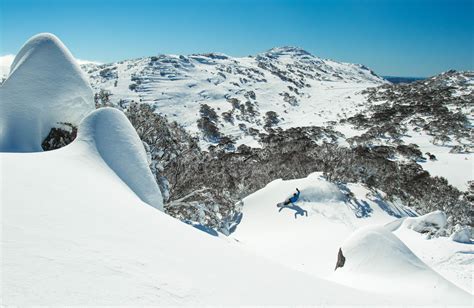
{"x":292,"y":199}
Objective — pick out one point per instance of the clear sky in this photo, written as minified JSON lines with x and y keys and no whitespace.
{"x":393,"y":37}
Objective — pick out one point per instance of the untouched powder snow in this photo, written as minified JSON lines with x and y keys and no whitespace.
{"x":112,"y":135}
{"x":379,"y":261}
{"x":454,"y":260}
{"x":457,"y":168}
{"x":45,"y":86}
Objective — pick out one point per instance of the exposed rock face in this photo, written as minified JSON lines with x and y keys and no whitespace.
{"x":340,"y":259}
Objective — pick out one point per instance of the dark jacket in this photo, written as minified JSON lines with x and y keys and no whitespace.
{"x":295,"y":197}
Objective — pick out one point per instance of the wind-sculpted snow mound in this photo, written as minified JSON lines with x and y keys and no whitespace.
{"x":44,"y":88}
{"x":110,"y":132}
{"x":375,"y":250}
{"x":376,"y":259}
{"x":430,"y":222}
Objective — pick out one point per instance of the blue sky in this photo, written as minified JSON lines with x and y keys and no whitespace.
{"x":399,"y":37}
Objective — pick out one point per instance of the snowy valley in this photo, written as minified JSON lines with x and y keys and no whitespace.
{"x":154,"y":181}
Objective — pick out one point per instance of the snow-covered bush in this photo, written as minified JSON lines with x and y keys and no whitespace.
{"x":102,"y":99}
{"x":209,"y":129}
{"x":431,"y":224}
{"x":59,"y":136}
{"x":462,"y":234}
{"x":166,"y":142}
{"x":271,"y":119}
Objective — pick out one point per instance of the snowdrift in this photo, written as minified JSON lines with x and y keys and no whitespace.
{"x":377,"y":260}
{"x":45,"y":86}
{"x":110,"y":133}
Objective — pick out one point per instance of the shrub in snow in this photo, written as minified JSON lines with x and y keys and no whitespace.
{"x":426,"y":105}
{"x":209,"y":129}
{"x":250,"y":95}
{"x":461,"y":149}
{"x":226,"y":144}
{"x":297,"y":152}
{"x":208,"y":112}
{"x":234,"y":102}
{"x":228,"y":117}
{"x":102,"y":98}
{"x":133,"y":86}
{"x":208,"y":123}
{"x":271,"y":119}
{"x":59,"y":137}
{"x":109,"y":73}
{"x":202,"y":206}
{"x":167,"y":143}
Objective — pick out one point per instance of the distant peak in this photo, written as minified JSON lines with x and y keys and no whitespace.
{"x":288,"y":50}
{"x":213,"y":55}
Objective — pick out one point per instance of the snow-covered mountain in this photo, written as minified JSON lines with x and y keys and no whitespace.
{"x":84,"y":224}
{"x":297,"y":88}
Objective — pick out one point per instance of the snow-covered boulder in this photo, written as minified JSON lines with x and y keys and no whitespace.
{"x":462,"y":234}
{"x":45,"y":86}
{"x":110,"y":133}
{"x":430,"y":223}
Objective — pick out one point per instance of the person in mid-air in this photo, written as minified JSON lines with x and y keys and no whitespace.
{"x":294,"y":198}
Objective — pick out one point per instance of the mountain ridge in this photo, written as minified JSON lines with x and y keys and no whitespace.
{"x":247,"y":94}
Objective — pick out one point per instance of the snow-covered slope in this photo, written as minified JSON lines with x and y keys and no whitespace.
{"x":307,"y":236}
{"x":73,"y":232}
{"x":378,"y":260}
{"x":301,"y":88}
{"x":45,"y":87}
